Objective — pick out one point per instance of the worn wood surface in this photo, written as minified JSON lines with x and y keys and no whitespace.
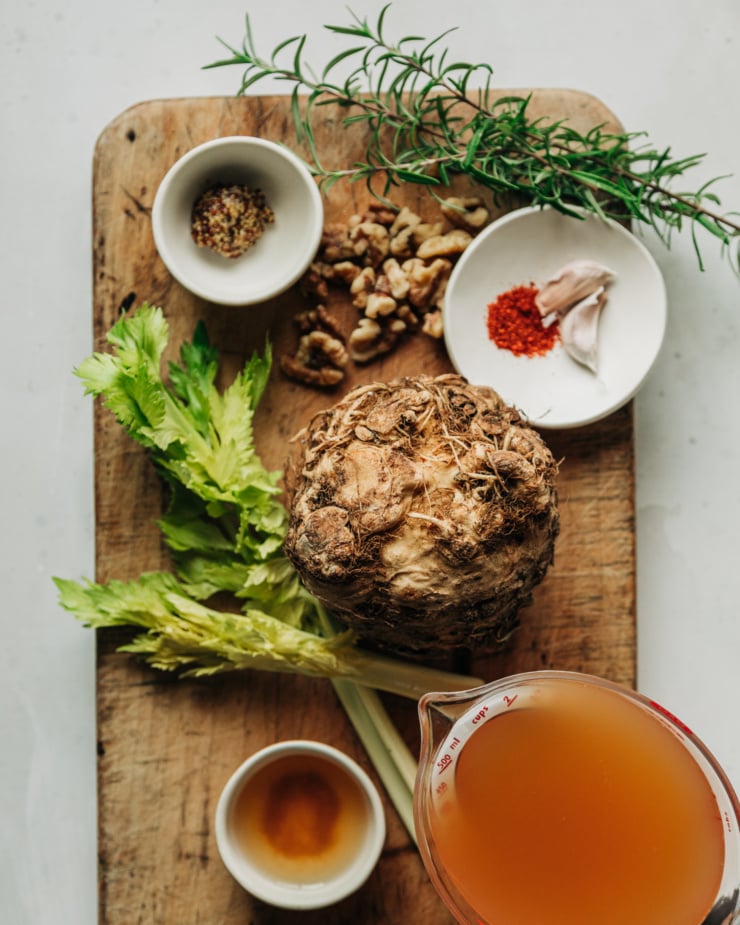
{"x":167,"y":747}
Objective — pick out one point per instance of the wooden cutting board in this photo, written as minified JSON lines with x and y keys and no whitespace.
{"x":166,"y":747}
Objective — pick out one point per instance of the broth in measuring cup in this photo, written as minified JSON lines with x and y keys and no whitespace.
{"x":570,"y":803}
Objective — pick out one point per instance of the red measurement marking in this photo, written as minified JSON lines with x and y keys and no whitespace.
{"x":509,"y":700}
{"x":671,"y":717}
{"x":444,"y":762}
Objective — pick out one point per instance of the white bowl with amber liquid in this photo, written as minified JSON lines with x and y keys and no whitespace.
{"x":300,"y":825}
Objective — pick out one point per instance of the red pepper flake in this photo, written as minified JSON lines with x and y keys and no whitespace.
{"x":514,"y":323}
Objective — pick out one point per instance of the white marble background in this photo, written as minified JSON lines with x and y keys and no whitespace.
{"x":667,"y":67}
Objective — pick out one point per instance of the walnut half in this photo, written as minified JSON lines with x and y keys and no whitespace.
{"x":321,"y":357}
{"x":466,"y":212}
{"x":373,"y":337}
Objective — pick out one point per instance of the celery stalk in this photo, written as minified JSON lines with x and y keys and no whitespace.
{"x":184,"y":635}
{"x":389,"y":754}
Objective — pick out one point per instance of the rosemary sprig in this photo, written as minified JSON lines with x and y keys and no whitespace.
{"x":429,"y":119}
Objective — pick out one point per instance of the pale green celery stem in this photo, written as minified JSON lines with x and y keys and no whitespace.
{"x":405,"y":678}
{"x":389,"y":754}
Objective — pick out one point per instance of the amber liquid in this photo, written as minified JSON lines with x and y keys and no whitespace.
{"x":580,"y":808}
{"x":301,"y":819}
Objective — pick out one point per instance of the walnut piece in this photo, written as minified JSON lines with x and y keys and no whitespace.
{"x":315,"y":280}
{"x":318,"y":319}
{"x":378,"y":303}
{"x":427,"y":280}
{"x":326,"y":376}
{"x":361,"y":287}
{"x":444,"y":245}
{"x":335,"y":244}
{"x":425,"y":230}
{"x":402,"y":243}
{"x":345,"y":271}
{"x":370,"y":339}
{"x":321,"y":357}
{"x":466,"y":212}
{"x":370,"y":242}
{"x":398,"y":282}
{"x":409,"y":318}
{"x":433,"y":324}
{"x":381,"y":213}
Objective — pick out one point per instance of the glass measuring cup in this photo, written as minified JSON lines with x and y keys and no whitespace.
{"x":557,"y":797}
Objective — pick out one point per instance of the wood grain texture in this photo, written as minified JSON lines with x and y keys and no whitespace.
{"x":167,"y":747}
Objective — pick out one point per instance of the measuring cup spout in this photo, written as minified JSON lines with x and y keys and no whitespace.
{"x":438,"y":712}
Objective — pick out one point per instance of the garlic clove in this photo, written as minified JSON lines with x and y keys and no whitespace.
{"x":569,"y":285}
{"x":579,"y":329}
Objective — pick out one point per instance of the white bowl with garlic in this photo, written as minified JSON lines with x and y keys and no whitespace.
{"x":592,"y":278}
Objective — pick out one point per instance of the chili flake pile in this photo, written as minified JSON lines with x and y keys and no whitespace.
{"x":229,"y":219}
{"x":514,"y":323}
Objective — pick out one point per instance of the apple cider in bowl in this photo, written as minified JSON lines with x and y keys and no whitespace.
{"x":300,"y":817}
{"x":300,"y":825}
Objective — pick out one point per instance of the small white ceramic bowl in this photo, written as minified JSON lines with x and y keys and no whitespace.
{"x":526,"y":247}
{"x":284,"y":250}
{"x":266,"y":822}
